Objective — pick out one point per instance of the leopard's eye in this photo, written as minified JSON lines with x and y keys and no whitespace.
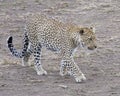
{"x":81,"y":31}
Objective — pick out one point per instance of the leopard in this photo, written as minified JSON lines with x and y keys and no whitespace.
{"x":41,"y":31}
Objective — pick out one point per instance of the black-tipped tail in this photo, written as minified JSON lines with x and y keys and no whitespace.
{"x":14,"y":51}
{"x":9,"y":41}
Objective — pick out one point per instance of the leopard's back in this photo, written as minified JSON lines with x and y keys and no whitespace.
{"x":49,"y":32}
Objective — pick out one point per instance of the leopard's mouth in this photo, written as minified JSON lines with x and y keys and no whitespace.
{"x":87,"y":47}
{"x":92,"y":48}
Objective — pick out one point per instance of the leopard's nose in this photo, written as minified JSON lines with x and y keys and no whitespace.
{"x":95,"y":46}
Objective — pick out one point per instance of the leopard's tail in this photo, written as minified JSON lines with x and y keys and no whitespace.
{"x":14,"y":51}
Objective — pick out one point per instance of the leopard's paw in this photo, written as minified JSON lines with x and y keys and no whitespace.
{"x":63,"y":73}
{"x":80,"y":79}
{"x":42,"y":72}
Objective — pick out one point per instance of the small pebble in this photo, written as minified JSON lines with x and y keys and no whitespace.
{"x":63,"y":86}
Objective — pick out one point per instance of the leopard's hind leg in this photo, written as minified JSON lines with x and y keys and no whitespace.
{"x":26,"y":48}
{"x":37,"y":60}
{"x":26,"y":57}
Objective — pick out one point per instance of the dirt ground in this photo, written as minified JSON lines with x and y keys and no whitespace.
{"x":101,"y":67}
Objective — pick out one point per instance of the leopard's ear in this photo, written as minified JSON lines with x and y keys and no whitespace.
{"x":81,"y":31}
{"x":93,"y":29}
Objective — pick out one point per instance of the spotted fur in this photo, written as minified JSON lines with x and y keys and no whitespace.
{"x":41,"y":31}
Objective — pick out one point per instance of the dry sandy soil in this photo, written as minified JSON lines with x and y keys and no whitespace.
{"x":101,"y":67}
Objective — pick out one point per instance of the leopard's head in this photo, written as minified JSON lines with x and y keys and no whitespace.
{"x":88,"y":38}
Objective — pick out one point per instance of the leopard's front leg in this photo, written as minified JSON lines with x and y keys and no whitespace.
{"x":70,"y":67}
